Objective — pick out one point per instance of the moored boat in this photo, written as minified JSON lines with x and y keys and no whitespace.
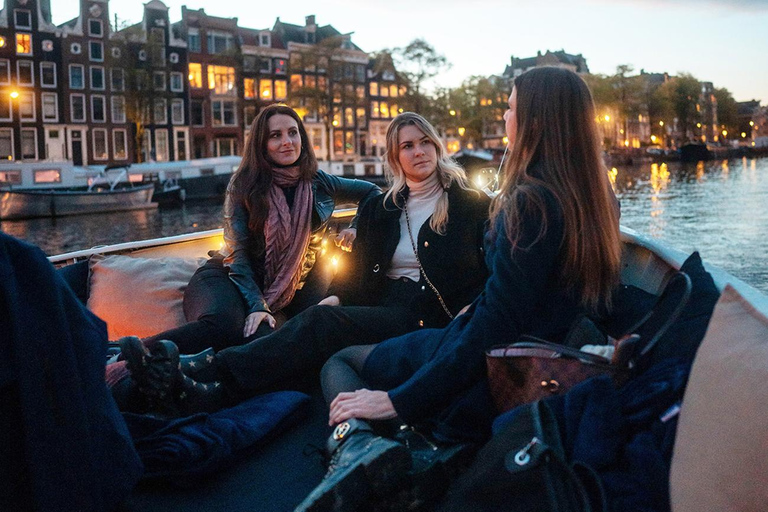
{"x":47,"y":190}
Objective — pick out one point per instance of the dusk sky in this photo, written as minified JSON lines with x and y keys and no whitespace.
{"x":724,"y":42}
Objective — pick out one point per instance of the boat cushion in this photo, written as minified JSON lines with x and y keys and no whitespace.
{"x":139,"y":296}
{"x":720,"y":460}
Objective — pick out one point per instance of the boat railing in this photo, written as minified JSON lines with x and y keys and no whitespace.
{"x":187,"y":242}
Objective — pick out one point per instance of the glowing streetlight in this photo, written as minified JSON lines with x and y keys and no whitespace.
{"x":607,"y":118}
{"x":14,"y":94}
{"x":725,"y":133}
{"x":751,"y":123}
{"x":461,"y":131}
{"x":452,"y":112}
{"x":654,"y":139}
{"x":743,"y":135}
{"x":698,"y":125}
{"x":661,"y":123}
{"x":505,"y":140}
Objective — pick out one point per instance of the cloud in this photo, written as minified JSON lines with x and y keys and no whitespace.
{"x":733,"y":5}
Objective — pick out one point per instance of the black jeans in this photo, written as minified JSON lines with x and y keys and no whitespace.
{"x":215,"y":310}
{"x":292,"y":356}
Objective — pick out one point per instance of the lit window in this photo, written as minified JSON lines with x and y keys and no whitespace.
{"x":374,"y":109}
{"x":384,"y":109}
{"x":374,"y":88}
{"x":281,"y":89}
{"x":360,"y":116}
{"x":265,"y":89}
{"x":349,"y":142}
{"x":296,"y":82}
{"x":384,"y":91}
{"x":47,"y":176}
{"x":248,"y":85}
{"x":24,"y":44}
{"x":195,"y":75}
{"x":393,"y":90}
{"x":7,"y":177}
{"x":3,"y":42}
{"x":349,"y":117}
{"x":221,"y":79}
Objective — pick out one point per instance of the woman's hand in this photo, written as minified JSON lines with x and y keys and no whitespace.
{"x":331,"y":300}
{"x":363,"y":404}
{"x":345,"y":238}
{"x":463,"y":310}
{"x":253,"y":321}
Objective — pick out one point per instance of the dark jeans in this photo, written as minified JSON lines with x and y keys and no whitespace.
{"x":215,"y":310}
{"x":297,"y":351}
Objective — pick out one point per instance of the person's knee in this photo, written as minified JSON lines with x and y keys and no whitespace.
{"x":337,"y":361}
{"x":227,"y":327}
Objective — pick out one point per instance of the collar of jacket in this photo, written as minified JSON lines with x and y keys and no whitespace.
{"x":389,"y":209}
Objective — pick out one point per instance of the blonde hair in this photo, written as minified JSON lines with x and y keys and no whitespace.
{"x":448,"y":171}
{"x":557,"y":148}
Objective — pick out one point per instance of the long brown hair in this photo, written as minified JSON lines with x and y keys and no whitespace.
{"x":251,"y":182}
{"x":448,"y":171}
{"x":557,"y":148}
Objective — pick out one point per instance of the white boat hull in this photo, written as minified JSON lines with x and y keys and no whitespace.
{"x":27,"y":204}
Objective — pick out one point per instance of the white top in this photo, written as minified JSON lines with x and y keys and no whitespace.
{"x":422,"y":199}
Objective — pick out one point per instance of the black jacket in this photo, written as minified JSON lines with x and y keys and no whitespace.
{"x":244,"y":251}
{"x":454,"y":262}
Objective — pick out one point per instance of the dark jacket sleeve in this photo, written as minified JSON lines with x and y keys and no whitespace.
{"x":517,"y":284}
{"x":237,"y":236}
{"x":351,"y":191}
{"x":345,"y":283}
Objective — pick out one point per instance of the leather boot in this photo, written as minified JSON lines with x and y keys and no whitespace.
{"x":168,"y":391}
{"x":199,"y":366}
{"x":362,"y":465}
{"x":434,"y":466}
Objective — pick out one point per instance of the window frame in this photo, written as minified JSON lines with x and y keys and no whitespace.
{"x":103,"y":99}
{"x":82,"y":76}
{"x":177,"y":103}
{"x":27,"y":94}
{"x":16,"y":19}
{"x":91,"y":46}
{"x":90,"y":27}
{"x":72,"y":97}
{"x":155,"y":76}
{"x":220,"y":103}
{"x":31,"y":66}
{"x":34,"y":143}
{"x":180,"y":77}
{"x":106,"y":144}
{"x":164,"y":119}
{"x":113,"y":100}
{"x":7,"y":80}
{"x":55,"y":96}
{"x":12,"y":154}
{"x":91,"y":70}
{"x":112,"y":80}
{"x":115,"y":154}
{"x":7,"y":98}
{"x":55,"y":84}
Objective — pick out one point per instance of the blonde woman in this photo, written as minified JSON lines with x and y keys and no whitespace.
{"x":416,"y":262}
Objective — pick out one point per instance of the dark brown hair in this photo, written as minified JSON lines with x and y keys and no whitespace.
{"x":557,"y":148}
{"x":251,"y":182}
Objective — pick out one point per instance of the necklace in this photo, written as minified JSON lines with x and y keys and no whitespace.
{"x":421,"y":268}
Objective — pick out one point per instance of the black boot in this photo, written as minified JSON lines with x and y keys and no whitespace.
{"x":199,"y":366}
{"x":362,"y":465}
{"x":434,"y":466}
{"x":168,"y":391}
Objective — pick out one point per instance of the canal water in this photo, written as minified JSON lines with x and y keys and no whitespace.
{"x":718,"y":208}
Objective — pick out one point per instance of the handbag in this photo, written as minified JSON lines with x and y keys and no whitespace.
{"x":533,"y":368}
{"x":523,"y":468}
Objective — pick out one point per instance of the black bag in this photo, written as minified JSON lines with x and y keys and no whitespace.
{"x":523,"y":468}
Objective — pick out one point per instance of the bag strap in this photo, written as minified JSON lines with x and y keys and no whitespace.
{"x":678,"y":280}
{"x":532,"y":342}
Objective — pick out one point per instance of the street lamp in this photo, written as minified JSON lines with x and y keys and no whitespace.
{"x":14,"y":94}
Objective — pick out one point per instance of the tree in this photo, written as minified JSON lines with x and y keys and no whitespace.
{"x":418,"y":62}
{"x":684,"y":91}
{"x":727,"y":110}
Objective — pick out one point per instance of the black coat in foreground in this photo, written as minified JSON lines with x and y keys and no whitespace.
{"x":454,"y":262}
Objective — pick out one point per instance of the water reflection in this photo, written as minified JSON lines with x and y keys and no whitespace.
{"x":715,"y":207}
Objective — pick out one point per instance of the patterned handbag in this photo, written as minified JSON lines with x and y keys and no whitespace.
{"x":533,"y":368}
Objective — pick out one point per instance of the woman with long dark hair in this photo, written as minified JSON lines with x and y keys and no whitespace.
{"x":553,"y":250}
{"x":276,"y":211}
